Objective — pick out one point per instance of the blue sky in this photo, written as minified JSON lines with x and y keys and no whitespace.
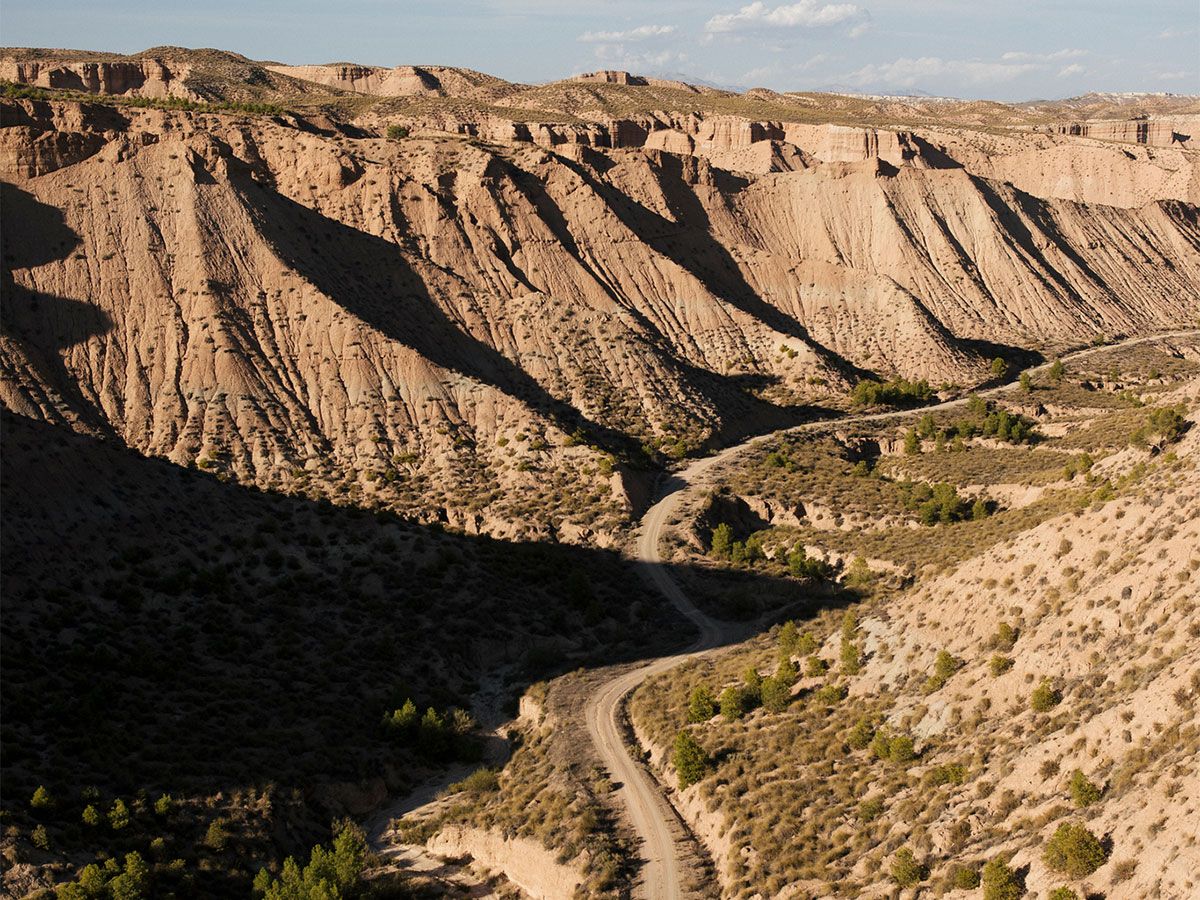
{"x":965,"y":48}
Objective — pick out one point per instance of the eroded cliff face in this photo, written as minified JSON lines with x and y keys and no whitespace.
{"x":135,"y":78}
{"x":476,"y":331}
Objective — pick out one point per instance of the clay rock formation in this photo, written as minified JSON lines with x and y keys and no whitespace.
{"x":401,"y":81}
{"x":135,"y":78}
{"x":475,"y":324}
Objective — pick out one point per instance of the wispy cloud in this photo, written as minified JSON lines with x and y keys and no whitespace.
{"x":1168,"y":34}
{"x":907,"y":72}
{"x":1023,"y":56}
{"x":641,"y":33}
{"x":805,"y":14}
{"x":1072,"y":70}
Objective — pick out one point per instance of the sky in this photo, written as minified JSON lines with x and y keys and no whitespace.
{"x":999,"y":49}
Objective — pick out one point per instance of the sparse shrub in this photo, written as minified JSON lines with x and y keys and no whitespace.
{"x":1044,"y":697}
{"x":1000,"y":881}
{"x":1005,"y":637}
{"x":1073,"y":849}
{"x":815,"y":667}
{"x":91,"y":816}
{"x":164,"y":804}
{"x":397,"y":132}
{"x":906,"y":870}
{"x":1123,"y":871}
{"x":40,"y":838}
{"x":870,"y":810}
{"x":999,"y":367}
{"x":1083,"y":791}
{"x":691,"y":760}
{"x":807,"y":645}
{"x":1057,"y":371}
{"x":1062,"y":893}
{"x":999,"y":664}
{"x":481,"y":781}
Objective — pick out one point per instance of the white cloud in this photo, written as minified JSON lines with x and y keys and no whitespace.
{"x":805,"y":14}
{"x":907,"y":72}
{"x":1022,"y":56}
{"x":1174,"y":76}
{"x":641,"y":33}
{"x":1072,"y":69}
{"x":615,"y":56}
{"x":1169,"y":33}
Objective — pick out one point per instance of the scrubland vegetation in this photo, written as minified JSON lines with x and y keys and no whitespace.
{"x":836,"y":754}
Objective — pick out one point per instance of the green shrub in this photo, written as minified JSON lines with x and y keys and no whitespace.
{"x":118,"y":816}
{"x":1074,"y":850}
{"x":1044,"y":697}
{"x":1062,"y":893}
{"x":851,"y":662}
{"x":40,"y":838}
{"x":1057,"y":371}
{"x":481,"y":781}
{"x":789,"y":638}
{"x":734,"y":703}
{"x":906,"y":870}
{"x":807,"y":645}
{"x":41,"y":799}
{"x":964,"y":878}
{"x":776,"y":694}
{"x":690,"y":759}
{"x":329,"y":873}
{"x":722,"y":542}
{"x":701,"y":706}
{"x":901,"y":749}
{"x":830,"y":694}
{"x":91,"y":816}
{"x":217,"y":836}
{"x":164,"y":804}
{"x":861,"y":734}
{"x":898,"y":392}
{"x":1083,"y":791}
{"x":950,"y":773}
{"x":397,"y":132}
{"x":801,"y":565}
{"x":1000,"y":881}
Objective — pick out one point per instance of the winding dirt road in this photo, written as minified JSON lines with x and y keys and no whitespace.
{"x":648,"y":808}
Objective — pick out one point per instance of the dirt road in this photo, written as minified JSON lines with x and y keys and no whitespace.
{"x":662,"y":875}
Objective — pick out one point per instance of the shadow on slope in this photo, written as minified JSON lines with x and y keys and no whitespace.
{"x":43,"y":325}
{"x":195,"y":635}
{"x":337,"y":259}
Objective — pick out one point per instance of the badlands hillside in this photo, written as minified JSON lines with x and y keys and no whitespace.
{"x":332,"y":387}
